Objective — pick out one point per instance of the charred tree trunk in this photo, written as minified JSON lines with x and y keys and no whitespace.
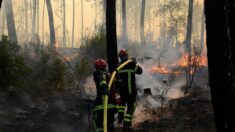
{"x":189,"y":28}
{"x":10,"y":21}
{"x":51,"y":23}
{"x":124,"y":33}
{"x":142,"y":37}
{"x":0,"y":3}
{"x":220,"y":25}
{"x":232,"y":28}
{"x":111,"y":34}
{"x":2,"y":29}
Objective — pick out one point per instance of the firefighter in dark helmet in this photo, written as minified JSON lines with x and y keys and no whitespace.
{"x":101,"y":77}
{"x":127,"y":89}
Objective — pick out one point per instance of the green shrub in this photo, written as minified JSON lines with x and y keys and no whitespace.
{"x":48,"y":73}
{"x":13,"y":69}
{"x":92,"y":49}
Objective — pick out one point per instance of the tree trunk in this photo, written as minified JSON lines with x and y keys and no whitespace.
{"x":189,"y":28}
{"x":142,"y":37}
{"x":104,"y":12}
{"x":176,"y":29}
{"x":26,"y":20}
{"x":43,"y":14}
{"x":111,"y":34}
{"x":149,"y":15}
{"x":124,"y":33}
{"x":64,"y":25}
{"x":0,"y":4}
{"x":202,"y":31}
{"x":73,"y":23}
{"x":38,"y":17}
{"x":220,"y":33}
{"x":82,"y":25}
{"x":10,"y":21}
{"x":51,"y":23}
{"x":137,"y":18}
{"x":232,"y":27}
{"x":33,"y":21}
{"x":3,"y":22}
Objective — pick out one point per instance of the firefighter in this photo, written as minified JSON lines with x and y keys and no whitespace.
{"x":101,"y":77}
{"x":127,"y":89}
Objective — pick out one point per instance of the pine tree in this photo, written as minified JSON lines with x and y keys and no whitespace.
{"x":51,"y":23}
{"x":111,"y":34}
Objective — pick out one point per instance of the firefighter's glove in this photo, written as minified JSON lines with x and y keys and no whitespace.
{"x":105,"y":91}
{"x":133,"y":59}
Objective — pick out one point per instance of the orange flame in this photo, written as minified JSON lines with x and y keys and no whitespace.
{"x":164,"y":70}
{"x":69,"y":58}
{"x":184,"y":61}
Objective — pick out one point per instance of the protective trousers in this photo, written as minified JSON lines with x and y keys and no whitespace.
{"x":126,"y":109}
{"x":97,"y":121}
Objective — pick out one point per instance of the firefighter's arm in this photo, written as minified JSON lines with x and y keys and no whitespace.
{"x":102,"y":82}
{"x":138,"y":69}
{"x":104,"y":87}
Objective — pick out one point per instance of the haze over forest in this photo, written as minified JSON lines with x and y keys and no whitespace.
{"x":93,"y":18}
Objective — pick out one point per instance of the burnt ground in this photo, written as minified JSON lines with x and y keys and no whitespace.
{"x":69,"y":113}
{"x":192,"y":113}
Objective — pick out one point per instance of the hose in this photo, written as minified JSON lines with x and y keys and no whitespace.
{"x":106,"y":96}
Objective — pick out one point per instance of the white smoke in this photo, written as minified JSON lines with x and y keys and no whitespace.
{"x":149,"y":56}
{"x":141,"y":114}
{"x":176,"y":92}
{"x":89,"y":87}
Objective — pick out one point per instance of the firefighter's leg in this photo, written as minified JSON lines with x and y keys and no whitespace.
{"x":130,"y":111}
{"x":121,"y":109}
{"x":111,"y":118}
{"x":97,"y":121}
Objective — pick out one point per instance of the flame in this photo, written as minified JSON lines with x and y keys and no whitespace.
{"x":69,"y":58}
{"x":163,"y":70}
{"x":184,"y":61}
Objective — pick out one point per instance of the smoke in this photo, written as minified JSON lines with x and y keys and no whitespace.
{"x":148,"y":56}
{"x":141,"y":114}
{"x":89,"y":86}
{"x":176,"y":92}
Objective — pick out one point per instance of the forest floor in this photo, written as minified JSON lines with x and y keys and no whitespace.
{"x":69,"y":113}
{"x":192,"y":113}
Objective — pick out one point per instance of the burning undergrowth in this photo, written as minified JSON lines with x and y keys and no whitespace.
{"x":167,"y":73}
